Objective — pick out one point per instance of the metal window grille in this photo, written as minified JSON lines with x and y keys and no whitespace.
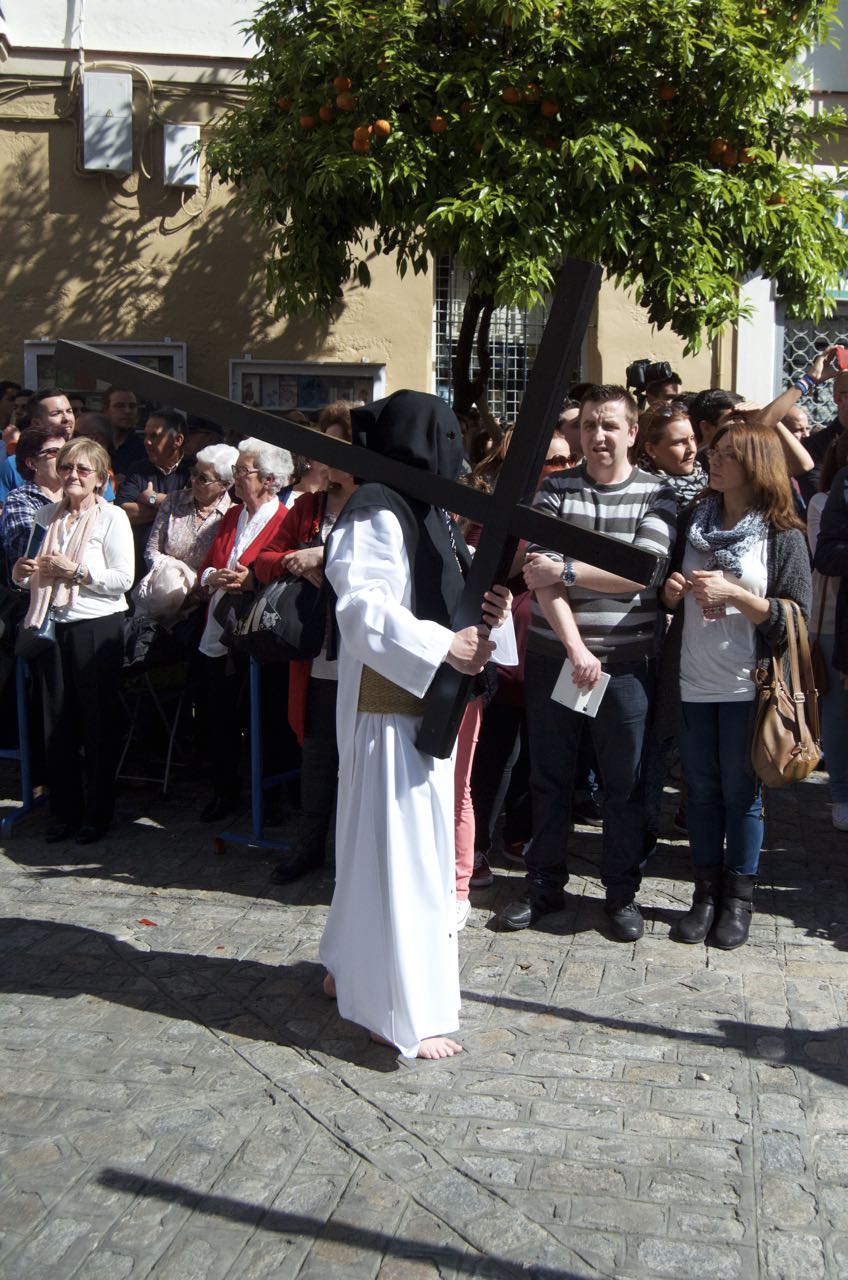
{"x":802,"y":341}
{"x":513,"y":341}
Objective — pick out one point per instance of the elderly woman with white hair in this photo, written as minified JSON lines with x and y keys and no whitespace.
{"x":249,"y":525}
{"x":187,"y":521}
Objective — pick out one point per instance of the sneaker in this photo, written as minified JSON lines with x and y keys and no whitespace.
{"x":516,"y":851}
{"x":481,"y":876}
{"x":463,"y":909}
{"x":839,"y":815}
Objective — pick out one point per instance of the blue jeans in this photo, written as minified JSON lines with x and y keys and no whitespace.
{"x":833,"y":710}
{"x":618,"y":733}
{"x":724,"y":808}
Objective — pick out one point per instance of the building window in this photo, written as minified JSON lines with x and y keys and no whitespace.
{"x":513,"y":341}
{"x":41,"y":370}
{"x":282,"y":384}
{"x":802,"y":342}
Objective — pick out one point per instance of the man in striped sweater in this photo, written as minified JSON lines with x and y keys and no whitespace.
{"x":601,"y":622}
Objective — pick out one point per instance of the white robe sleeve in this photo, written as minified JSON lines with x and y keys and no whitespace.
{"x":368,"y":568}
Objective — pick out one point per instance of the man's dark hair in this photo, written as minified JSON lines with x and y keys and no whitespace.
{"x":708,"y":406}
{"x":30,"y":443}
{"x":172,"y":419}
{"x":652,"y":388}
{"x":569,"y":403}
{"x":43,"y":393}
{"x":110,"y":391}
{"x":599,"y":393}
{"x":6,"y":383}
{"x":26,"y":391}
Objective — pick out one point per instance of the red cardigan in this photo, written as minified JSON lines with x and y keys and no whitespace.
{"x":300,"y":527}
{"x":221,"y":549}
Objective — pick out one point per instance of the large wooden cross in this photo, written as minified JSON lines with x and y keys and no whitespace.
{"x":505,"y":514}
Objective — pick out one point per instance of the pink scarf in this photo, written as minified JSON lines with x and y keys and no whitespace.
{"x":56,"y":591}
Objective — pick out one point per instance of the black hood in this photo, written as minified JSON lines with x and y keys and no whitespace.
{"x":411,"y":427}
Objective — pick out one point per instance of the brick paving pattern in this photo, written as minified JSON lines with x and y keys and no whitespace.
{"x":180,"y":1101}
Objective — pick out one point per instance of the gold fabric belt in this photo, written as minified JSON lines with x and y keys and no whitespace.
{"x":382,"y":697}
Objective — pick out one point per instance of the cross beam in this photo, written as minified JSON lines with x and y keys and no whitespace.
{"x":505,"y":514}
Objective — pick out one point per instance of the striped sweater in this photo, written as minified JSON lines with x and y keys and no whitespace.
{"x":640,"y":510}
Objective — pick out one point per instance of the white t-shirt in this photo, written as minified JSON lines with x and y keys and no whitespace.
{"x":109,"y":559}
{"x":719,"y":654}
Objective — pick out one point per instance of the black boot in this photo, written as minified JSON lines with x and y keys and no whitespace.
{"x":698,"y":920}
{"x":734,"y":919}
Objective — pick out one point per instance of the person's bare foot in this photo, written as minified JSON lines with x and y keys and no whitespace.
{"x":438,"y":1047}
{"x":329,"y":986}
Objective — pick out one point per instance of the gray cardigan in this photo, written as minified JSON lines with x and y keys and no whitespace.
{"x":788,"y":578}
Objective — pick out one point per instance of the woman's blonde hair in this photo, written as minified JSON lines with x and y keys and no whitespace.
{"x":92,"y":452}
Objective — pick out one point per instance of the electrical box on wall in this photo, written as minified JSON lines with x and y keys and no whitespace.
{"x":181,"y":156}
{"x":107,"y":138}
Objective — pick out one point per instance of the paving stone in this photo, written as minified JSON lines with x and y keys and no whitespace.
{"x":673,"y":1258}
{"x":791,"y":1256}
{"x":787,"y":1203}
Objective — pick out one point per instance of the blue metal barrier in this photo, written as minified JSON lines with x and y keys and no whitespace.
{"x":21,"y":753}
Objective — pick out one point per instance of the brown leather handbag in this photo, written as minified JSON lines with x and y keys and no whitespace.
{"x":786,"y":743}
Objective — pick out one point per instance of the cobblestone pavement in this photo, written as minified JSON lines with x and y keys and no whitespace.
{"x":179,"y":1100}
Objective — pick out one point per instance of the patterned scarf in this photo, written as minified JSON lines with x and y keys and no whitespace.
{"x":726,"y":546}
{"x":685,"y":487}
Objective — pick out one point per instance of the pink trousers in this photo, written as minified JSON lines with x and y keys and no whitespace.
{"x":469,"y":732}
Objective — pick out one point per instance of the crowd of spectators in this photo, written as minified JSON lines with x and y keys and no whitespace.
{"x":127,"y":515}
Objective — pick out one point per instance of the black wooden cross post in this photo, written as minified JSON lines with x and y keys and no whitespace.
{"x":503,"y":514}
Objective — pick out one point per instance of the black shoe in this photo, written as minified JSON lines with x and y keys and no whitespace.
{"x":588,"y":812}
{"x":90,"y":835}
{"x":625,"y":923}
{"x":297,"y":864}
{"x":58,"y":832}
{"x":218,"y":807}
{"x":526,"y":911}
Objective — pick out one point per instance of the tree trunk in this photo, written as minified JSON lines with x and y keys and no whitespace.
{"x":473,"y":332}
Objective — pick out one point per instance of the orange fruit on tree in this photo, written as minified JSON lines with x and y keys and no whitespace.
{"x":549,"y":107}
{"x":730,"y":157}
{"x":531,"y":93}
{"x":326,"y":113}
{"x":511,"y":95}
{"x":667,"y":92}
{"x":745,"y":156}
{"x":477,"y":145}
{"x":438,"y":124}
{"x":382,"y":128}
{"x":718,"y":146}
{"x":363,"y":131}
{"x":283,"y":102}
{"x":342,"y":83}
{"x":551,"y":144}
{"x":361,"y":145}
{"x":776,"y":199}
{"x":466,"y":107}
{"x":346,"y":101}
{"x":308,"y":122}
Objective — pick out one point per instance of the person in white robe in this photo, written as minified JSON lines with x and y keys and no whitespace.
{"x":390,"y":942}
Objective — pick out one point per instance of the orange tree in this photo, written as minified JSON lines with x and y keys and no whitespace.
{"x":669,"y":140}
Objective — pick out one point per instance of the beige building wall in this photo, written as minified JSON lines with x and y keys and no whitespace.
{"x":99,"y":257}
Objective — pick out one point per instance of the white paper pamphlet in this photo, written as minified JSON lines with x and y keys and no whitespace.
{"x":585,"y":701}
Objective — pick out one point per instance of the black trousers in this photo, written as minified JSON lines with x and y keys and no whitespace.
{"x":80,"y":679}
{"x":319,"y":769}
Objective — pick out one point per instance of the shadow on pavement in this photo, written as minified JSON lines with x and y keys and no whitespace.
{"x":356,"y":1238}
{"x":274,"y":1004}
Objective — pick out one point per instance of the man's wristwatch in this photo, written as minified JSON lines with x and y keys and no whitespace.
{"x":79,"y":575}
{"x":568,"y":575}
{"x":151,"y":501}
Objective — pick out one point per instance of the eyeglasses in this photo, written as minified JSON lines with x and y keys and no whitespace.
{"x":66,"y":469}
{"x":557,"y":463}
{"x":723,"y":454}
{"x":245,"y":471}
{"x":198,"y":475}
{"x":48,"y":453}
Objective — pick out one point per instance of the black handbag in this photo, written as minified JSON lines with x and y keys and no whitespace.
{"x":285,"y":620}
{"x":31,"y":642}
